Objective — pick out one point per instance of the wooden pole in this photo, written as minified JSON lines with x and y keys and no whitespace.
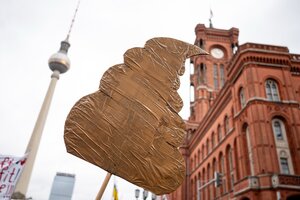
{"x":103,"y":186}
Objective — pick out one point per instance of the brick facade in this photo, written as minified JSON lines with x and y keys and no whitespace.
{"x":244,"y":121}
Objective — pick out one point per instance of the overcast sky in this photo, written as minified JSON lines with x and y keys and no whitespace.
{"x":31,"y":31}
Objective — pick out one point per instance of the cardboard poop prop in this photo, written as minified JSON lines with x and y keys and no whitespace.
{"x":130,"y":127}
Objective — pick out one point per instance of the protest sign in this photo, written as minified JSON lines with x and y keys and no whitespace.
{"x":10,"y":170}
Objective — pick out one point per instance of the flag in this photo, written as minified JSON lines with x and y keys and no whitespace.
{"x":211,"y":14}
{"x":10,"y":170}
{"x":115,"y":193}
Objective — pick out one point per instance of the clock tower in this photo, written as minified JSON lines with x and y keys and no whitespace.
{"x":208,"y":73}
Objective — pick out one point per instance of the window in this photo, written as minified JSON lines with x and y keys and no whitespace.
{"x":230,"y":160}
{"x":198,"y":75}
{"x":222,"y":170}
{"x":242,"y":98}
{"x":198,"y":187}
{"x":199,"y":157}
{"x":226,"y":124}
{"x":201,"y":74}
{"x":284,"y":165}
{"x":213,"y":140}
{"x":232,"y":180}
{"x":214,"y":169}
{"x":195,"y":188}
{"x":208,"y":178}
{"x":201,"y":44}
{"x":235,"y":155}
{"x":222,"y":76}
{"x":282,"y":146}
{"x":222,"y":167}
{"x":192,"y":184}
{"x":278,"y":128}
{"x":272,"y":90}
{"x":203,"y":182}
{"x":216,"y":83}
{"x":231,"y":169}
{"x":219,"y":133}
{"x":207,"y":147}
{"x":249,"y":148}
{"x":202,"y":152}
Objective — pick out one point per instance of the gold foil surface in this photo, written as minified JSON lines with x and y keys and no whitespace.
{"x":130,"y":127}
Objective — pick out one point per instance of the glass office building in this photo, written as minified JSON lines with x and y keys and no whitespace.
{"x":62,"y":187}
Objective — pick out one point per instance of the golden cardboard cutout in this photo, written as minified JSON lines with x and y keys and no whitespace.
{"x":130,"y":127}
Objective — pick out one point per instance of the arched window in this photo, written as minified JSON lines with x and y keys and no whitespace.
{"x":272,"y":90}
{"x":198,"y":73}
{"x":207,"y":146}
{"x":247,"y":151}
{"x":214,"y":169}
{"x":235,"y":155}
{"x":242,"y":98}
{"x":203,"y":156}
{"x":198,"y":187}
{"x":232,"y":116}
{"x":209,"y":193}
{"x":219,"y":133}
{"x":195,"y":188}
{"x":278,"y":128}
{"x":199,"y":156}
{"x":226,"y":124}
{"x":230,"y":159}
{"x":192,"y":188}
{"x":203,"y":182}
{"x":201,"y":72}
{"x":213,"y":140}
{"x":282,"y":146}
{"x":222,"y":76}
{"x":216,"y":82}
{"x":249,"y":146}
{"x":201,"y":44}
{"x":222,"y":171}
{"x":284,"y":164}
{"x":230,"y":171}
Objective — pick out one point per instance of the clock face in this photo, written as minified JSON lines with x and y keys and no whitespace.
{"x":217,"y":53}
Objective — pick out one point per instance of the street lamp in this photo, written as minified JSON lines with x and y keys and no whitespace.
{"x":153,"y":196}
{"x":145,"y":194}
{"x":137,"y":193}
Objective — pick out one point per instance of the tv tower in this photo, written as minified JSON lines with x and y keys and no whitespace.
{"x":59,"y":63}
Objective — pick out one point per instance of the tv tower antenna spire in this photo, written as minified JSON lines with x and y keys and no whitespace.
{"x":59,"y":63}
{"x":72,"y":23}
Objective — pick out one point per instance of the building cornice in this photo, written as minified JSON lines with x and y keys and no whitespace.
{"x":220,"y":103}
{"x":273,"y":56}
{"x":264,"y":100}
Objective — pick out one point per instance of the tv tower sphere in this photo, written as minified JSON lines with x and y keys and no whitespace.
{"x":60,"y":61}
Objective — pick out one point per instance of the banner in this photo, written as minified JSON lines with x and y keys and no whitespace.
{"x":10,"y":170}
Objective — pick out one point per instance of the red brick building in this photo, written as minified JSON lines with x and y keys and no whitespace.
{"x":244,"y":121}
